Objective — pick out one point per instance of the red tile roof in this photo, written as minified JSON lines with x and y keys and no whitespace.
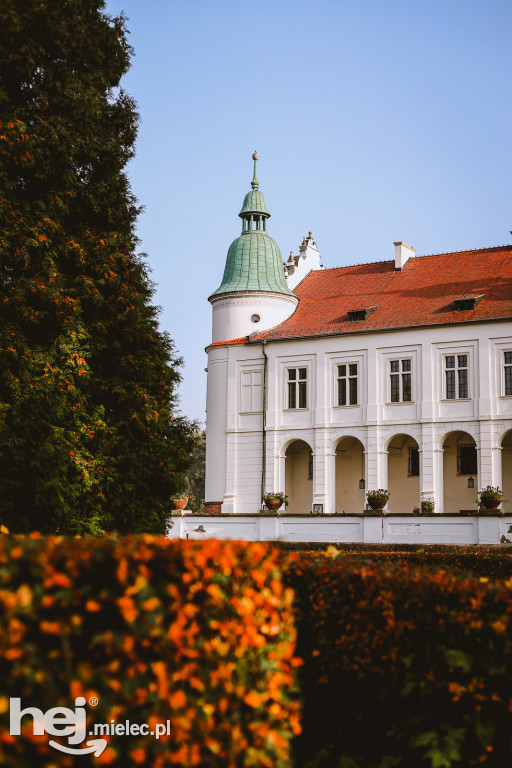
{"x":422,"y":293}
{"x":240,"y":340}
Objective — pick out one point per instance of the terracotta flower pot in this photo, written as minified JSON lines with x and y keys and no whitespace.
{"x":491,"y":502}
{"x":273,"y":504}
{"x":377,"y":504}
{"x":180,"y":503}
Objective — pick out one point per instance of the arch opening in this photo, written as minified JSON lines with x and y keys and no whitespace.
{"x":299,"y":478}
{"x":460,"y":473}
{"x":403,"y":474}
{"x":350,"y":470}
{"x":506,"y":472}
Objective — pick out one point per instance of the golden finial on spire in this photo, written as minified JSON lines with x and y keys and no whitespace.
{"x":255,"y":182}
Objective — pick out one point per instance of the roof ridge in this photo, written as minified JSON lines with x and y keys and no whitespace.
{"x":348,"y":266}
{"x":467,"y":250}
{"x":417,"y":256}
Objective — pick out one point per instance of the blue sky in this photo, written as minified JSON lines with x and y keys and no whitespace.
{"x":374,"y":122}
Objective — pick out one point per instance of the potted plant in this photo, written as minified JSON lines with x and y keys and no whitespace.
{"x":180,"y":500}
{"x":274,"y":499}
{"x":377,"y":499}
{"x":490,"y":498}
{"x":427,"y":507}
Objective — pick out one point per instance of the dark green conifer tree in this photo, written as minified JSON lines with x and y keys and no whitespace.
{"x":88,"y":442}
{"x":194,"y":480}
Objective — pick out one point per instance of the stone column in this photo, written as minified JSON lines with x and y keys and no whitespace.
{"x":320,"y":469}
{"x":376,"y":461}
{"x":330,"y":485}
{"x":438,"y":479}
{"x":497,"y":464}
{"x":384,"y":473}
{"x":373,"y":460}
{"x":272,"y":464}
{"x":280,"y":472}
{"x":429,"y":470}
{"x":486,"y":469}
{"x":496,"y":453}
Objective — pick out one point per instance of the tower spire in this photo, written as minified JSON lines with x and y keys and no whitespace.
{"x":254,"y":261}
{"x":255,"y":183}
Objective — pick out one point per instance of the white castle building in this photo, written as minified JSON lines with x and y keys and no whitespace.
{"x":325,"y":383}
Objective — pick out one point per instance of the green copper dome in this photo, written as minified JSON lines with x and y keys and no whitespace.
{"x":254,"y":202}
{"x":254,"y":261}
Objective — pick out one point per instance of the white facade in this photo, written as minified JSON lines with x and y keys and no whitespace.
{"x":384,"y":430}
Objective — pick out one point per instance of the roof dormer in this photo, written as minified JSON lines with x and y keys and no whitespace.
{"x":468,"y":301}
{"x":355,"y":315}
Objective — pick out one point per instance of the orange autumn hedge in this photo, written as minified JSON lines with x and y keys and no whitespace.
{"x":492,"y":561}
{"x":197,"y":633}
{"x":403,"y":666}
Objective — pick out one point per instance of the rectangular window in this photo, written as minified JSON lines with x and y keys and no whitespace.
{"x":347,"y":384}
{"x":508,"y":372}
{"x":456,"y":377}
{"x":414,"y":462}
{"x":297,"y":387}
{"x":252,"y":392}
{"x":466,"y":460}
{"x":401,"y":381}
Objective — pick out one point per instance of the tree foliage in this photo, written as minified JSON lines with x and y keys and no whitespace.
{"x":194,"y":480}
{"x":88,"y":441}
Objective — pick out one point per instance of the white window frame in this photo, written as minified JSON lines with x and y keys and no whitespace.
{"x":456,"y":354}
{"x":243,"y":372}
{"x":347,"y":378}
{"x":504,"y":366}
{"x":400,"y":359}
{"x":297,"y":367}
{"x":348,"y":357}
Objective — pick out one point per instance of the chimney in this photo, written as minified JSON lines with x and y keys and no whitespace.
{"x":402,"y":253}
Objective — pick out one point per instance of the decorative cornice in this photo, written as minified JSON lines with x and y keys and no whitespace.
{"x":251,"y":298}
